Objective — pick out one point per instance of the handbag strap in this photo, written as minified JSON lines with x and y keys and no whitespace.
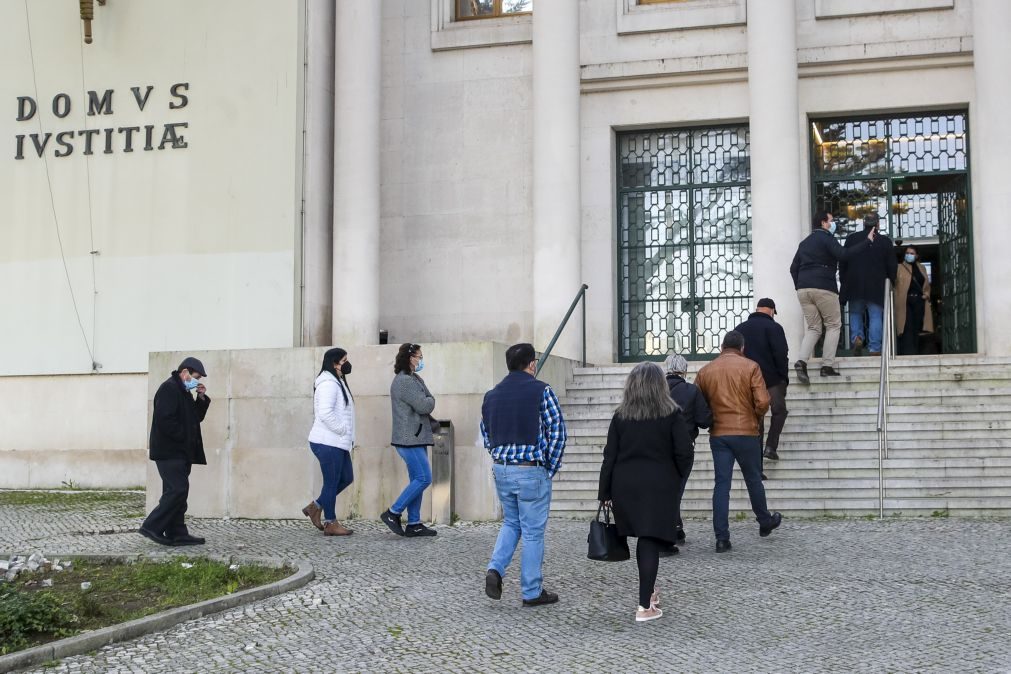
{"x":607,"y":513}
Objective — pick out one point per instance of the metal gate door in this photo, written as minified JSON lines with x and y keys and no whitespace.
{"x":958,"y":311}
{"x":684,"y":240}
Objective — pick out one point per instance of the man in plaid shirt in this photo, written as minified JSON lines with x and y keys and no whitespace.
{"x":523,"y":430}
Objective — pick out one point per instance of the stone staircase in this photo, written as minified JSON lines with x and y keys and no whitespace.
{"x":949,"y":441}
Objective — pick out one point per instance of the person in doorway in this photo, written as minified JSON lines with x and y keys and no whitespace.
{"x":524,"y":432}
{"x":863,"y":285}
{"x":814,"y":270}
{"x":766,"y":345}
{"x":412,"y":405}
{"x":697,"y":414}
{"x":735,"y":390}
{"x":331,"y":439}
{"x":913,"y":316}
{"x":648,"y":455}
{"x":175,"y":445}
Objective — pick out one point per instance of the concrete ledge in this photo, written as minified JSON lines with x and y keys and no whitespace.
{"x":90,"y":641}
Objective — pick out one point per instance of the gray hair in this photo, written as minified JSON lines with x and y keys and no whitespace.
{"x":676,"y":364}
{"x":646,"y":394}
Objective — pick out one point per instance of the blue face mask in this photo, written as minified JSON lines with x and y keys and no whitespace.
{"x":191,"y":384}
{"x":421,"y":365}
{"x":910,"y":258}
{"x":831,"y":227}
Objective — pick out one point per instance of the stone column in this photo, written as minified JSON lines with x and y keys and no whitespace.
{"x":556,"y":226}
{"x":991,"y":192}
{"x":356,"y":206}
{"x":777,"y":223}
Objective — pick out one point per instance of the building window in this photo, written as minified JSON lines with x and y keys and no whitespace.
{"x":490,"y":9}
{"x":684,"y":240}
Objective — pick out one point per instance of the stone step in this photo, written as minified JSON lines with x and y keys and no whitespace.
{"x":867,"y":363}
{"x":604,"y":411}
{"x":851,"y":431}
{"x":814,"y":507}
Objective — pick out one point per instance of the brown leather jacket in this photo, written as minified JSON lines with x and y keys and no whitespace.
{"x":735,"y":390}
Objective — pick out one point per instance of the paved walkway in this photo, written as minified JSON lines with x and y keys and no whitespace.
{"x":829,"y":595}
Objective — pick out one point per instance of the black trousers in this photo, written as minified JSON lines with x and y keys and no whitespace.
{"x":777,"y":396}
{"x":168,"y":516}
{"x":681,"y":490}
{"x":909,"y":340}
{"x":647,"y":558}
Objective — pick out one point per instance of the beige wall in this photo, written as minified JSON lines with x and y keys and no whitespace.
{"x":259,"y":462}
{"x":194,"y":246}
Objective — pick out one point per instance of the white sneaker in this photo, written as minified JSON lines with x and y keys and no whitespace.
{"x":646,"y":614}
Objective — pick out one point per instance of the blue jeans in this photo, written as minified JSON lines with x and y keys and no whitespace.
{"x":420,"y":474}
{"x":335,"y":463}
{"x":525,"y":495}
{"x":747,"y":451}
{"x":876,"y":315}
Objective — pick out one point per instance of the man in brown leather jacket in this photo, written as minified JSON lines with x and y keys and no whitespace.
{"x":735,"y":390}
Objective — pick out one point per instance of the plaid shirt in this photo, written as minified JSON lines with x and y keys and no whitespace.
{"x":550,"y":444}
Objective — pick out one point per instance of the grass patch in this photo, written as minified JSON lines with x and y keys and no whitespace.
{"x":69,"y":499}
{"x":31,"y":614}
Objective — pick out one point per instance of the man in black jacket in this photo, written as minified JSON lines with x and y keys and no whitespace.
{"x":695,"y":411}
{"x":814,"y":276}
{"x":863,"y":285}
{"x":765,"y":343}
{"x":176,"y":444}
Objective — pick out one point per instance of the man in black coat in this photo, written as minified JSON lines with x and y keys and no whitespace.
{"x":863,"y":285}
{"x":765,"y":343}
{"x":814,"y":276}
{"x":176,"y":444}
{"x":695,"y":411}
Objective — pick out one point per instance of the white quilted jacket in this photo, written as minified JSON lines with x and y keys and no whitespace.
{"x":334,"y":422}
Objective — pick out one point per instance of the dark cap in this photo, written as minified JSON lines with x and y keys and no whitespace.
{"x":767,"y":302}
{"x":191,"y":363}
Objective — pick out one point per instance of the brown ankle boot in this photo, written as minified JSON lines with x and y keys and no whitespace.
{"x":335,"y":528}
{"x":313,"y":512}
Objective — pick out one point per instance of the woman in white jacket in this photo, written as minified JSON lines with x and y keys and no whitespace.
{"x":331,"y":439}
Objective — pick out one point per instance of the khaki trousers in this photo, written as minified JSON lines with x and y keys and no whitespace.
{"x":821,"y":308}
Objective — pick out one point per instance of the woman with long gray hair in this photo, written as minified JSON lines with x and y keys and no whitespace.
{"x":648,"y":451}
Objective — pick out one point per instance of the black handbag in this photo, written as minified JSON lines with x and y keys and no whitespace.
{"x":603,"y":542}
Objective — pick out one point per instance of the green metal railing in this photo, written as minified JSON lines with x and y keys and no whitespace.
{"x":580,"y":296}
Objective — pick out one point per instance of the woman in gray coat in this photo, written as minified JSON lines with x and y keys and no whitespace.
{"x":412,"y":405}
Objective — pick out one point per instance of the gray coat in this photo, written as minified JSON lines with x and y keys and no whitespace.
{"x":412,"y":404}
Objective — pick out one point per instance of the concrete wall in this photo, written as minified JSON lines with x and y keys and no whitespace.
{"x":173,"y":248}
{"x":259,"y":462}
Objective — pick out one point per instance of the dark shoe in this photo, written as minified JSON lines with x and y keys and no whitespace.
{"x":764,"y":477}
{"x":858,"y":346}
{"x":771,"y":454}
{"x":873,"y":353}
{"x":419,"y":530}
{"x":829,"y":371}
{"x":777,"y":519}
{"x":801,"y":369}
{"x":314,"y":513}
{"x":157,"y":538}
{"x":681,"y":538}
{"x":669,"y":551}
{"x":723,"y":546}
{"x":335,"y":528}
{"x":393,"y":522}
{"x":187,"y":539}
{"x":545,"y":598}
{"x":493,"y":584}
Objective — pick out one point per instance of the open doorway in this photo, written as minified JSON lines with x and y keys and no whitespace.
{"x":913,"y":173}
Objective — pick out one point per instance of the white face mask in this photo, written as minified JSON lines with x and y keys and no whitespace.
{"x":910,"y":258}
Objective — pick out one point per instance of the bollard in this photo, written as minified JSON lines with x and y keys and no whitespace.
{"x":442,"y":473}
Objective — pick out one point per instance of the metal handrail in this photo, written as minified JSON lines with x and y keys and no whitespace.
{"x":580,"y":295}
{"x":884,"y":393}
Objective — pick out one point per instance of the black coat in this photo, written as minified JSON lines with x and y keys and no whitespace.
{"x":644,"y":462}
{"x":175,"y":423}
{"x":817,"y":259}
{"x":694,"y":407}
{"x":863,"y":277}
{"x":765,"y":343}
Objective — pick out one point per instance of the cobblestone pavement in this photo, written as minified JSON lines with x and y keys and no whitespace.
{"x":817,"y":595}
